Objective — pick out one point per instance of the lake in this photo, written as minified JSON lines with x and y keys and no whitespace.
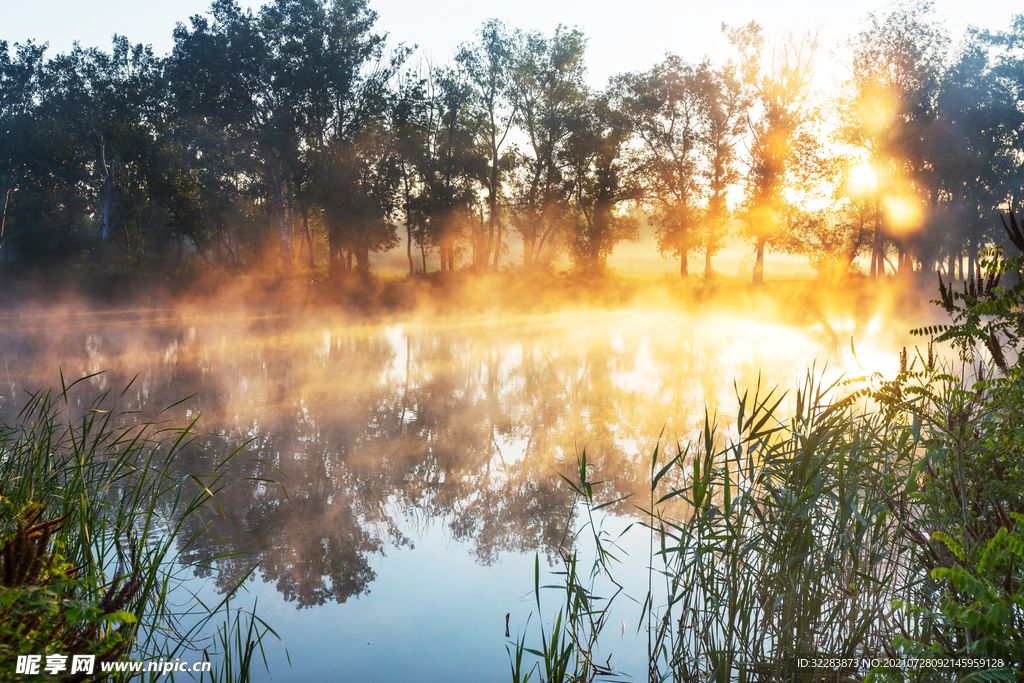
{"x":398,"y":476}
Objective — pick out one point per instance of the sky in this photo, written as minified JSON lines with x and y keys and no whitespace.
{"x":623,"y":36}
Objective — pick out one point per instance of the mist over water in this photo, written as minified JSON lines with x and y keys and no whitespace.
{"x":397,"y":474}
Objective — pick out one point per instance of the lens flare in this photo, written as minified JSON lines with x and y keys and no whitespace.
{"x":903,"y":215}
{"x":863,"y":178}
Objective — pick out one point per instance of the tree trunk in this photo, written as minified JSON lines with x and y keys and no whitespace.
{"x":408,"y":219}
{"x":684,"y":265}
{"x":527,"y":252}
{"x":105,"y":256}
{"x":408,"y":246}
{"x":972,"y":255}
{"x":3,"y":219}
{"x":334,"y":249}
{"x":104,"y":245}
{"x":481,"y":253}
{"x":282,"y":216}
{"x":362,"y":255}
{"x":759,"y":262}
{"x":707,"y":262}
{"x":309,"y":236}
{"x":492,"y":199}
{"x":497,"y":246}
{"x":877,"y":245}
{"x":291,"y":219}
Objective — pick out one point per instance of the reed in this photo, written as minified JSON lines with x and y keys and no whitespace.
{"x":94,"y":510}
{"x":878,"y":520}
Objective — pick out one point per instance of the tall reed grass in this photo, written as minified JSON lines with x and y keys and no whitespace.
{"x":94,"y":510}
{"x":875,"y":532}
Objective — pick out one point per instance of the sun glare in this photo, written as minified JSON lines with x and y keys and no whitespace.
{"x":863,"y":177}
{"x":904,"y":215}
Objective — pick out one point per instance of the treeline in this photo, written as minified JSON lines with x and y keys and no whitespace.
{"x":263,"y":137}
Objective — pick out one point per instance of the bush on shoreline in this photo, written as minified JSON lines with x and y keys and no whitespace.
{"x":91,"y":521}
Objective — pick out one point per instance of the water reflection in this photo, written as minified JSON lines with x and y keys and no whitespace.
{"x":357,"y":437}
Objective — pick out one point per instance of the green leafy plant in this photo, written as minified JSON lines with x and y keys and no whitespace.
{"x":92,"y":521}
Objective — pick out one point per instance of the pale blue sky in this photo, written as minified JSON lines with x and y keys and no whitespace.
{"x":624,"y":36}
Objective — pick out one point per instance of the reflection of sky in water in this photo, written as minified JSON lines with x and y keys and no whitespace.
{"x":420,"y":457}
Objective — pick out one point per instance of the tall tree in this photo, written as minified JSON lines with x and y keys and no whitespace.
{"x":550,"y":99}
{"x":19,"y":87}
{"x":338,"y":74}
{"x":1008,"y":71}
{"x":667,"y":107}
{"x":112,"y":101}
{"x":230,"y":75}
{"x":489,"y":63}
{"x":890,"y":110}
{"x":600,"y":179}
{"x":972,"y":150}
{"x":724,"y":105}
{"x":779,"y":78}
{"x":451,"y":162}
{"x":408,"y":114}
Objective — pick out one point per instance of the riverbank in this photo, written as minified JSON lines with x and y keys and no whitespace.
{"x":512,"y":290}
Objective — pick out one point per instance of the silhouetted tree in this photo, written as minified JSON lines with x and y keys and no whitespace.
{"x":488,"y":63}
{"x":599,"y":179}
{"x":550,"y":99}
{"x":780,"y":81}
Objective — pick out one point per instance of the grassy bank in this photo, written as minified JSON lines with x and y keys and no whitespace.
{"x":92,"y":512}
{"x":876,"y":533}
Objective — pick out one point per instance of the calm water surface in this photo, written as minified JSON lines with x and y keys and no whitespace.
{"x":398,"y":479}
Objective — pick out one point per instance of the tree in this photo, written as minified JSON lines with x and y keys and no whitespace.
{"x":687,"y":119}
{"x":449,"y":164}
{"x":1008,"y":72}
{"x":598,"y":181}
{"x":890,"y":111}
{"x":230,"y":77}
{"x":488,"y":63}
{"x":550,"y":99}
{"x":19,"y":86}
{"x":363,"y":179}
{"x":667,"y":107}
{"x":407,"y":115}
{"x":724,"y":106}
{"x":108,"y":103}
{"x":972,"y":152}
{"x":337,"y":76}
{"x":780,"y":138}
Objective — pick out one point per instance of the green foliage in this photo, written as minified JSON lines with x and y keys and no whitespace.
{"x":985,"y":598}
{"x":45,"y":601}
{"x":92,"y":521}
{"x":258,"y":116}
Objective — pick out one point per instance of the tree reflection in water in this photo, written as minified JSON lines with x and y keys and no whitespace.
{"x":358,"y":436}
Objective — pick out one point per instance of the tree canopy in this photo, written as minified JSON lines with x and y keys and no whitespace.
{"x":294,"y":137}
